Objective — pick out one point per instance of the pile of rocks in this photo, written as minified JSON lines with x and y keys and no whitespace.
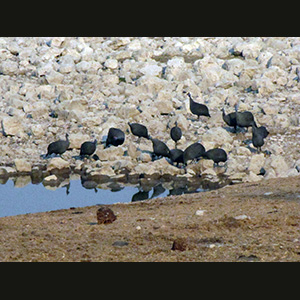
{"x":84,"y":86}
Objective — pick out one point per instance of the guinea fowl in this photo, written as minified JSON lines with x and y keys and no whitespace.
{"x":198,"y":109}
{"x":257,"y":138}
{"x":176,"y":155}
{"x":229,"y":119}
{"x":216,"y":154}
{"x":175,"y":134}
{"x":58,"y":147}
{"x":115,"y":137}
{"x":88,"y":148}
{"x":262,"y":130}
{"x":193,"y":151}
{"x":244,"y":119}
{"x":160,"y":148}
{"x":139,"y":130}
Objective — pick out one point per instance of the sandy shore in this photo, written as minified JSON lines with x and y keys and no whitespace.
{"x":242,"y":222}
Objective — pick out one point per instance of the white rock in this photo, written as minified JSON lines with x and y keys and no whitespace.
{"x":256,"y":163}
{"x":38,"y":130}
{"x":217,"y":135}
{"x":292,"y":172}
{"x":76,"y":139}
{"x":112,"y":153}
{"x":57,"y":163}
{"x":127,"y":111}
{"x":282,"y":120}
{"x":242,"y":217}
{"x":87,"y":53}
{"x":151,"y":69}
{"x":163,"y":106}
{"x":104,"y":170}
{"x":250,"y":49}
{"x":22,"y":165}
{"x":175,"y":67}
{"x":9,"y":67}
{"x":118,"y":165}
{"x":265,"y":86}
{"x":144,"y":168}
{"x":135,"y":45}
{"x":111,"y":63}
{"x":13,"y":126}
{"x":54,"y":77}
{"x":278,"y":164}
{"x":83,"y":66}
{"x":200,"y":212}
{"x":57,"y":41}
{"x":235,"y":65}
{"x":251,"y":177}
{"x":7,"y":170}
{"x":66,"y":68}
{"x":144,"y":157}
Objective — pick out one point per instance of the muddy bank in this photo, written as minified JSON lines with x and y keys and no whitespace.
{"x":243,"y":222}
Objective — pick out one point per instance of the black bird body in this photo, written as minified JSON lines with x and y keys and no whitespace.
{"x":175,"y":133}
{"x":216,"y":154}
{"x":229,"y":119}
{"x":115,"y":137}
{"x":193,"y":151}
{"x":88,"y":148}
{"x":257,"y":137}
{"x":176,"y":155}
{"x":160,"y":148}
{"x":198,"y":109}
{"x":139,"y":130}
{"x":244,"y":119}
{"x":263,"y":131}
{"x":58,"y":147}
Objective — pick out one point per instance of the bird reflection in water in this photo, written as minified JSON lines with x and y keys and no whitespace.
{"x":89,"y":184}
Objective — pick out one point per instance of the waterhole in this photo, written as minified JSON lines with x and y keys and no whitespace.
{"x":21,"y":195}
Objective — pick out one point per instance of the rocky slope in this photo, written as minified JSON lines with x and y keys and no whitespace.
{"x":84,"y":86}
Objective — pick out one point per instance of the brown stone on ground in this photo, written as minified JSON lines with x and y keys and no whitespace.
{"x":180,"y":244}
{"x":105,"y":215}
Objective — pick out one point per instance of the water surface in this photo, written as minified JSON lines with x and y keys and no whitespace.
{"x":18,"y":199}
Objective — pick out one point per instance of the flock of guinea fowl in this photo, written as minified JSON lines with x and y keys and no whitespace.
{"x":193,"y":152}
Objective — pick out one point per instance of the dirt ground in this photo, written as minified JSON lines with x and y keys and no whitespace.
{"x":238,"y":223}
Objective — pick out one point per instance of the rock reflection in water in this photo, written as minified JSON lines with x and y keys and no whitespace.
{"x":44,"y":191}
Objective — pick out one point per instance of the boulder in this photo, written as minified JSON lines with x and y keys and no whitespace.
{"x":278,"y":164}
{"x":57,"y":163}
{"x":256,"y":163}
{"x":54,"y":77}
{"x":13,"y":126}
{"x":9,"y":67}
{"x":76,"y":139}
{"x":22,"y":165}
{"x":112,"y":153}
{"x":217,"y":135}
{"x":151,"y":69}
{"x":105,"y":215}
{"x":111,"y":63}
